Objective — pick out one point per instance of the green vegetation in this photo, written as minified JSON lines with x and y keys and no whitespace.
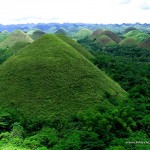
{"x":53,"y":98}
{"x":15,"y":37}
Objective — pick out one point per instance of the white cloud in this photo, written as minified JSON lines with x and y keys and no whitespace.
{"x":145,"y":4}
{"x":88,"y":11}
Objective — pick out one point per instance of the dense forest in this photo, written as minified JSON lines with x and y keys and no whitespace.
{"x":83,"y":87}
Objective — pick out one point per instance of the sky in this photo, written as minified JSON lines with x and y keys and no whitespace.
{"x":74,"y":11}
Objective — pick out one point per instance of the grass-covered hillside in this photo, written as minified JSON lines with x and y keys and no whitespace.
{"x":104,"y":40}
{"x":14,"y":37}
{"x":129,"y":42}
{"x":96,"y":33}
{"x":112,"y":35}
{"x":82,"y":33}
{"x":76,"y":46}
{"x":50,"y":78}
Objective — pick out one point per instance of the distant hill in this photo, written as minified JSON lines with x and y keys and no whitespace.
{"x":96,"y":33}
{"x":129,"y":29}
{"x":145,"y":44}
{"x":132,"y":33}
{"x":61,"y":31}
{"x":112,"y":35}
{"x":37,"y":34}
{"x":4,"y":35}
{"x":104,"y":40}
{"x":15,"y":37}
{"x":82,"y":33}
{"x":76,"y":46}
{"x":137,"y":35}
{"x":49,"y":78}
{"x":129,"y":42}
{"x":141,"y":37}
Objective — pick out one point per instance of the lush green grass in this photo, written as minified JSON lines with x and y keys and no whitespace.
{"x":76,"y":46}
{"x":4,"y":35}
{"x":50,"y":78}
{"x":104,"y":40}
{"x":15,"y":37}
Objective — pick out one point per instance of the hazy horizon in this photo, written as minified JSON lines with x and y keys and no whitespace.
{"x":71,"y":11}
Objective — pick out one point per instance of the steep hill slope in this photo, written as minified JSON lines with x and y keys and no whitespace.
{"x":76,"y":46}
{"x":15,"y":37}
{"x":50,"y":78}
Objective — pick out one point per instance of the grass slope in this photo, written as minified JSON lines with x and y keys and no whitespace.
{"x":14,"y":37}
{"x":76,"y":46}
{"x":104,"y":40}
{"x":128,"y":42}
{"x":50,"y":78}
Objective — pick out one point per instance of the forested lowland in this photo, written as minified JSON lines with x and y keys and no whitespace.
{"x":85,"y":87}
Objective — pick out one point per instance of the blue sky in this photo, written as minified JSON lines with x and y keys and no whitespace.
{"x":85,"y":11}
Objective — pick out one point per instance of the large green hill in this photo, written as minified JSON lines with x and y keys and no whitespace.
{"x":50,"y":78}
{"x":15,"y":37}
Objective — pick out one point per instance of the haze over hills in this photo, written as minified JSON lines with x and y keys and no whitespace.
{"x":44,"y":79}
